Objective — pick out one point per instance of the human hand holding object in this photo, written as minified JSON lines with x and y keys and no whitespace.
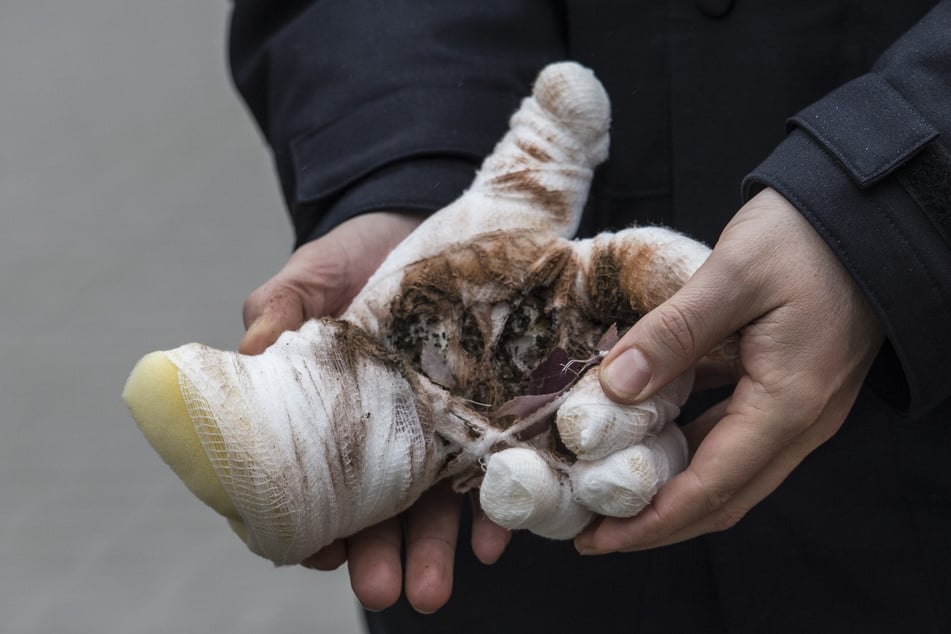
{"x":807,"y":338}
{"x":346,"y":422}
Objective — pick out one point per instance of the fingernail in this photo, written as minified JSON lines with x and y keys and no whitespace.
{"x":254,"y":324}
{"x":628,"y":374}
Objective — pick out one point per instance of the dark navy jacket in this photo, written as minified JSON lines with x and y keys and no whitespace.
{"x":844,"y":106}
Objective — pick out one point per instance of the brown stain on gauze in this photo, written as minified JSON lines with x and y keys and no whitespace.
{"x":610,"y":299}
{"x":356,"y":348}
{"x":352,"y":416}
{"x":344,"y":413}
{"x":533,"y":151}
{"x":526,"y":184}
{"x":627,"y":278}
{"x":648,"y":279}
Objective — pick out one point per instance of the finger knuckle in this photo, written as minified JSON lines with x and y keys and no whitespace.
{"x":677,"y":331}
{"x":715,"y":499}
{"x":735,"y":264}
{"x":712,"y":498}
{"x":728,"y":517}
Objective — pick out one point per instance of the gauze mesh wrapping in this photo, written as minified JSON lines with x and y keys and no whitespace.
{"x":593,"y":426}
{"x":631,"y":451}
{"x":624,"y":482}
{"x":522,"y":491}
{"x":309,"y":444}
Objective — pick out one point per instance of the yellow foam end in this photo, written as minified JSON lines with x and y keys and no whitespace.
{"x":155,"y":399}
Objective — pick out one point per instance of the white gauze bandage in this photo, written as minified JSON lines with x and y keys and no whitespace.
{"x":309,"y":440}
{"x":636,"y":449}
{"x":593,"y":426}
{"x":623,"y":483}
{"x":521,"y":491}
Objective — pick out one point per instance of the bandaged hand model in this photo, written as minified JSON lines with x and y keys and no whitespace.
{"x":471,"y":354}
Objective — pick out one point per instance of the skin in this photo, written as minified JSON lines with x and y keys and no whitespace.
{"x":320,"y":279}
{"x":807,"y":337}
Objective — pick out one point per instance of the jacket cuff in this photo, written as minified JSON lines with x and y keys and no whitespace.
{"x":423,"y":163}
{"x":841,"y":182}
{"x":868,"y":127}
{"x":422,"y":185}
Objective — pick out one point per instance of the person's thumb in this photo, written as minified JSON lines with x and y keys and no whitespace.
{"x":268,"y":312}
{"x":670,"y":339}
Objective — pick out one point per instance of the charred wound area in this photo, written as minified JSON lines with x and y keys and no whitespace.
{"x":493,"y":309}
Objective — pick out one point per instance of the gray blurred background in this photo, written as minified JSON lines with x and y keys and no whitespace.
{"x":138,"y":208}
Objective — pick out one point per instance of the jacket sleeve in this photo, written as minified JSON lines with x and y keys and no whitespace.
{"x":869,"y":166}
{"x":403,"y":97}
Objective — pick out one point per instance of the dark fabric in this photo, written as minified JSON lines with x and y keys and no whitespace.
{"x":926,"y":180}
{"x":531,"y":590}
{"x":399,"y":79}
{"x":838,"y":166}
{"x":390,"y":104}
{"x":891,"y":250}
{"x":855,"y":540}
{"x":868,"y":126}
